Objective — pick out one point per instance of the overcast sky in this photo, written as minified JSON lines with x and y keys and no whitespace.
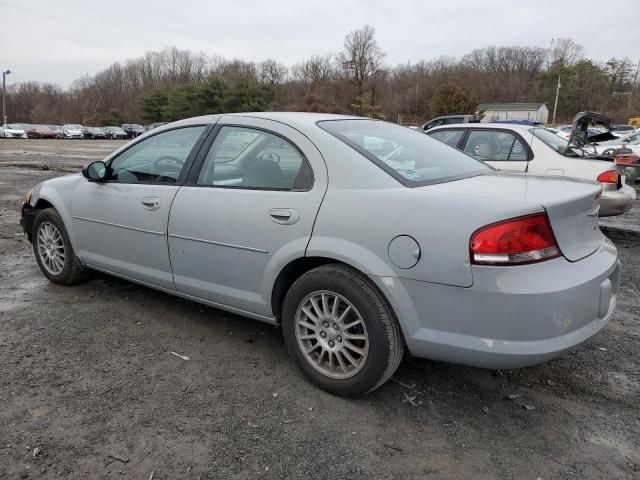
{"x":61,"y":40}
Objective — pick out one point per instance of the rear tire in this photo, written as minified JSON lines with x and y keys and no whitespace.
{"x":340,"y":331}
{"x":53,"y":250}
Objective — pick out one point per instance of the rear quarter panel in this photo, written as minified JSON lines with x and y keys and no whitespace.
{"x":356,"y":226}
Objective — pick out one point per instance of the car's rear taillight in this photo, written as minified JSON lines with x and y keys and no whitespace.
{"x":515,"y":241}
{"x":610,"y":176}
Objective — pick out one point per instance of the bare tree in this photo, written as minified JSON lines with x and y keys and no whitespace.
{"x":361,"y":58}
{"x":272,"y":72}
{"x":317,"y":69}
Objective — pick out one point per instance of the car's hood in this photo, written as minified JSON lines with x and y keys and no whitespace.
{"x":14,"y":131}
{"x":579,"y":135}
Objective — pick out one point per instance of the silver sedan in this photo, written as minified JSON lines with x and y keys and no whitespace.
{"x":358,"y":237}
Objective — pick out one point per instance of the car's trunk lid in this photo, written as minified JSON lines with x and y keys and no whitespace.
{"x":572,"y":205}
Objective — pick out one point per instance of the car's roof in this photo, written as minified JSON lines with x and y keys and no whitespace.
{"x":488,"y":126}
{"x":294,"y":119}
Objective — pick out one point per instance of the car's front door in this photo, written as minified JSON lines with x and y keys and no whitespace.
{"x":120,"y":225}
{"x":247,"y":209}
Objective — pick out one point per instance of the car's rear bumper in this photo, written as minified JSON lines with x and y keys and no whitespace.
{"x":617,"y":202}
{"x":511,"y":316}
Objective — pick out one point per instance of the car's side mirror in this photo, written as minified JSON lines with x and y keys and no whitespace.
{"x":95,"y":171}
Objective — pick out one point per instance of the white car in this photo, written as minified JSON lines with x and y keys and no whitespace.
{"x":631,"y":140}
{"x":72,"y":131}
{"x":538,"y":151}
{"x":12,"y":131}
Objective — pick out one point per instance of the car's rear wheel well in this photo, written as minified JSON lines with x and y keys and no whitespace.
{"x":290,"y":274}
{"x":299,"y":267}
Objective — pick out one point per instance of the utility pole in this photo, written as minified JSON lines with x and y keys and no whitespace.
{"x":555,"y":104}
{"x":4,"y":94}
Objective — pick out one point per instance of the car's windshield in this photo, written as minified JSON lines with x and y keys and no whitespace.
{"x":42,"y":127}
{"x":15,"y":126}
{"x":73,"y":126}
{"x":553,"y":141}
{"x":408,"y":155}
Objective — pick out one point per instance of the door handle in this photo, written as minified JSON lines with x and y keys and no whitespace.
{"x":151,"y":203}
{"x":284,"y":216}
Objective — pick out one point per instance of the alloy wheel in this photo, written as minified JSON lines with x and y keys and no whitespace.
{"x":50,"y":248}
{"x":331,"y":334}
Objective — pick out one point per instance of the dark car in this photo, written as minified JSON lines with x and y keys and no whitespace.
{"x":114,"y":133}
{"x":94,"y":132}
{"x":450,"y":119}
{"x":41,"y":131}
{"x":133,"y":129}
{"x":151,"y":126}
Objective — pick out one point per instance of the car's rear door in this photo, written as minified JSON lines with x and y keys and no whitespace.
{"x":120,"y":225}
{"x":247,"y":210}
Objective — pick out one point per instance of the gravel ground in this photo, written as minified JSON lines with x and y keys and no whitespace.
{"x":89,"y":387}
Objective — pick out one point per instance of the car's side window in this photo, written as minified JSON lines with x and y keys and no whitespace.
{"x":495,"y":145}
{"x":451,"y":137}
{"x":157,"y":159}
{"x":244,"y":157}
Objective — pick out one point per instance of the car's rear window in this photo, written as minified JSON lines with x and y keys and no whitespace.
{"x":410,"y":156}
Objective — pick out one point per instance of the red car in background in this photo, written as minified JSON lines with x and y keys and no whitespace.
{"x":41,"y":131}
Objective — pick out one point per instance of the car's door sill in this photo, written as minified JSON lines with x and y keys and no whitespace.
{"x":237,"y":311}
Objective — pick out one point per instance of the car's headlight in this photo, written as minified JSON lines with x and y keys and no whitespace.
{"x":27,"y":197}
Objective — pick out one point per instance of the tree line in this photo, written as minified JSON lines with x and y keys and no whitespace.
{"x":173,"y":84}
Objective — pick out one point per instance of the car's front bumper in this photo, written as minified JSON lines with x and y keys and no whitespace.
{"x":511,"y":316}
{"x":617,"y":202}
{"x":26,"y":220}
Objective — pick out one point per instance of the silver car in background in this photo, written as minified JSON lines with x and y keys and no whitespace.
{"x":358,"y":237}
{"x":72,"y":130}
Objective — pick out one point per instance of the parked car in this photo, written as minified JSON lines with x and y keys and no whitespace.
{"x":72,"y":130}
{"x":40,"y":131}
{"x":151,"y":126}
{"x":12,"y":130}
{"x":621,"y":130}
{"x":630,"y":140}
{"x":538,"y":151}
{"x":299,"y":220}
{"x":94,"y":132}
{"x":133,"y":129}
{"x":449,"y":119}
{"x":57,"y":129}
{"x":627,"y":160}
{"x":115,"y":133}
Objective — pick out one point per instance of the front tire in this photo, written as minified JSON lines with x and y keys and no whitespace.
{"x":340,"y":331}
{"x":53,"y":250}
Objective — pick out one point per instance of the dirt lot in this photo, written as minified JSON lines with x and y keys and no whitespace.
{"x":89,"y":388}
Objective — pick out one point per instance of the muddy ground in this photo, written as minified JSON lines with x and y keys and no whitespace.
{"x":89,"y":387}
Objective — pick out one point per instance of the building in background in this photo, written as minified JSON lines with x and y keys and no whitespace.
{"x":536,"y":112}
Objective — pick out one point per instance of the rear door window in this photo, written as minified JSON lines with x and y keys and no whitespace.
{"x":450,"y":137}
{"x":255,"y":159}
{"x":495,"y":145}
